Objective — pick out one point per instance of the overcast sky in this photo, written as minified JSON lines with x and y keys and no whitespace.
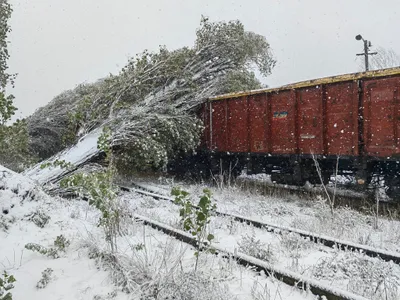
{"x":57,"y":44}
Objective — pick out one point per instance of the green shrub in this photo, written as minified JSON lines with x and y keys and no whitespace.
{"x":195,"y":219}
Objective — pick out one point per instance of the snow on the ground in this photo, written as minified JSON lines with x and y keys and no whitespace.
{"x":340,"y":179}
{"x":77,"y":154}
{"x":146,"y":259}
{"x":305,"y":214}
{"x":75,"y":276}
{"x":340,"y":268}
{"x":288,"y":251}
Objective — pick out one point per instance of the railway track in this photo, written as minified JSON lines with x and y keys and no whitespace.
{"x":288,"y":277}
{"x":364,"y":202}
{"x":277,"y":229}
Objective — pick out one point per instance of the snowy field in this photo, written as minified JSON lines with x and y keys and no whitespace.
{"x":75,"y":261}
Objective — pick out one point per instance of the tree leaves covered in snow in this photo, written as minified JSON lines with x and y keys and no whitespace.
{"x":6,"y":284}
{"x":150,"y":105}
{"x":13,"y":139}
{"x":14,"y":144}
{"x":51,"y":128}
{"x":7,"y":109}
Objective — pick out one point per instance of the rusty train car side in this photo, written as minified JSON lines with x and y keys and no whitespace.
{"x":353,"y":117}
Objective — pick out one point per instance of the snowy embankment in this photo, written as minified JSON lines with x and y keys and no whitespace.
{"x":31,"y":216}
{"x":84,"y":150}
{"x":76,"y":262}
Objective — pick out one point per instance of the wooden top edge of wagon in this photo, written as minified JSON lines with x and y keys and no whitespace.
{"x":314,"y":82}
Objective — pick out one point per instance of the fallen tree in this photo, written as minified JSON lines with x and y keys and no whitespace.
{"x":149,"y":106}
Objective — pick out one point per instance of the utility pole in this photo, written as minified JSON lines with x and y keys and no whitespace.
{"x":367,"y":44}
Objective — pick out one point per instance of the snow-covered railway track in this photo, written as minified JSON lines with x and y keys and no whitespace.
{"x":344,"y":197}
{"x":288,"y":277}
{"x":277,"y":229}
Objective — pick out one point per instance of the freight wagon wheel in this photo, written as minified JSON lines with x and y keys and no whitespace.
{"x":326,"y":177}
{"x":286,"y":178}
{"x":315,"y":179}
{"x":394,"y":192}
{"x":298,"y":175}
{"x":393,"y":187}
{"x":236,"y":172}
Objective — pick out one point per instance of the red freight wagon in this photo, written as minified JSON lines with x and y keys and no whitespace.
{"x":351,"y":119}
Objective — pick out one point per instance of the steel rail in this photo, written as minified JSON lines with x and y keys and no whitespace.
{"x":313,"y":237}
{"x":288,"y":277}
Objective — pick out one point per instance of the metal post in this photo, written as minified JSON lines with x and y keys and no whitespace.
{"x":366,"y":53}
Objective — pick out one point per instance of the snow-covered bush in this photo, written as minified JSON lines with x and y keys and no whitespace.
{"x":5,"y":223}
{"x":294,"y":243}
{"x":101,"y":193}
{"x":98,"y":188}
{"x":6,"y":284}
{"x":46,"y":278}
{"x":369,"y":277}
{"x":226,"y":223}
{"x":14,"y":146}
{"x":342,"y":226}
{"x":109,"y":296}
{"x":156,"y":272}
{"x":250,"y":245}
{"x":187,"y":286}
{"x":60,"y":245}
{"x":13,"y":139}
{"x":18,"y":199}
{"x":259,"y":292}
{"x":39,"y":218}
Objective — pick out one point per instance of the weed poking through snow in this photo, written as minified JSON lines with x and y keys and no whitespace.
{"x":46,"y":278}
{"x":60,"y":245}
{"x":39,"y":218}
{"x":6,"y":284}
{"x":371,"y":278}
{"x":260,"y":292}
{"x":249,"y":245}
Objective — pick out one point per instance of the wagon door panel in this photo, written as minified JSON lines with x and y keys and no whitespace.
{"x":341,"y":119}
{"x":258,"y":123}
{"x":397,"y":117}
{"x":282,"y":126}
{"x":205,"y":117}
{"x":310,"y":121}
{"x":237,"y":125}
{"x":218,"y":125}
{"x":381,"y":117}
